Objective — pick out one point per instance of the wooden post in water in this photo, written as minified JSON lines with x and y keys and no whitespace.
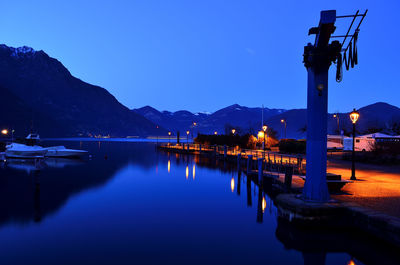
{"x":288,"y":176}
{"x":239,"y":156}
{"x":225,"y":151}
{"x":260,"y":170}
{"x":249,"y":163}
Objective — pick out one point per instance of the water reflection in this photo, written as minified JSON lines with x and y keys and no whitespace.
{"x":127,"y":221}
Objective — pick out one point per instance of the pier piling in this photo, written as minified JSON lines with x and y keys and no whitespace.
{"x":249,"y":163}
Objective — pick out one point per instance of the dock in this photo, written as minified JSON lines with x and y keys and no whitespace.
{"x":282,"y":176}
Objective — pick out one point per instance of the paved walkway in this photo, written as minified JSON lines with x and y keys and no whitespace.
{"x":377,"y":188}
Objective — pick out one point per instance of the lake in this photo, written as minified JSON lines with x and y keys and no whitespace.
{"x":128,"y":203}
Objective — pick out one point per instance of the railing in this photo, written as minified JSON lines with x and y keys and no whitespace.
{"x":298,"y":161}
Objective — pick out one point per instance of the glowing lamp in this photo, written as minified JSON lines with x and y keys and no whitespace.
{"x":264,"y":128}
{"x":354,"y":115}
{"x":5,"y":131}
{"x":233,"y":131}
{"x":215,"y":132}
{"x":187,"y":132}
{"x":169,"y":133}
{"x":260,"y":135}
{"x":282,"y":120}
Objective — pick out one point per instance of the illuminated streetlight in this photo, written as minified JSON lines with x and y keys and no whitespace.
{"x":336,"y":116}
{"x":284,"y":122}
{"x":169,"y":137}
{"x":215,"y":132}
{"x":187,"y":137}
{"x":233,"y":131}
{"x":265,"y":131}
{"x":354,"y":115}
{"x":4,"y":132}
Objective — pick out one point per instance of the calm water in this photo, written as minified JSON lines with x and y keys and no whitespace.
{"x":129,"y":204}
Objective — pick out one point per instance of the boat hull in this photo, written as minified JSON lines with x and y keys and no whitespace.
{"x":25,"y":154}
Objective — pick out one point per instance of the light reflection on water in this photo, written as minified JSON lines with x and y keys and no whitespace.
{"x":124,"y":206}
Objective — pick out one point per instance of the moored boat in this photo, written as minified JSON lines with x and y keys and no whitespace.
{"x":61,"y":151}
{"x":16,"y":150}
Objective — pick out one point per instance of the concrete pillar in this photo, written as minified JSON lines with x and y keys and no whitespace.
{"x":317,"y":59}
{"x":315,"y":186}
{"x":249,"y":163}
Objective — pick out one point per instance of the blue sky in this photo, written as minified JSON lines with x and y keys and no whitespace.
{"x":205,"y":55}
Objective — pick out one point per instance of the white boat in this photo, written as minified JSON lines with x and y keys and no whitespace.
{"x":61,"y":151}
{"x":15,"y":150}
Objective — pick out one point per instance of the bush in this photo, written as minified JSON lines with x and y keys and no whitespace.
{"x":292,"y":146}
{"x":229,"y":140}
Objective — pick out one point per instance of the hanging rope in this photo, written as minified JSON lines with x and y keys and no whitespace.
{"x":353,"y":55}
{"x":339,"y":68}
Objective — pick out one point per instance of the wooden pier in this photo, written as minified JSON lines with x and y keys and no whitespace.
{"x":259,"y":163}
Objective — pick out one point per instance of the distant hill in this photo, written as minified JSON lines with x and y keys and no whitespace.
{"x":244,"y":118}
{"x":379,"y":116}
{"x":38,"y":90}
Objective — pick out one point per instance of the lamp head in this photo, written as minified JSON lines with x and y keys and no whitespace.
{"x":354,"y":115}
{"x":264,"y":127}
{"x":5,"y":131}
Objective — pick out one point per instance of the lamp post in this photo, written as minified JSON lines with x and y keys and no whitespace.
{"x":157,"y":134}
{"x":233,"y":131}
{"x":284,"y":122}
{"x":169,"y":138}
{"x":336,"y":116}
{"x":265,"y":131}
{"x":354,"y":115}
{"x":187,"y":137}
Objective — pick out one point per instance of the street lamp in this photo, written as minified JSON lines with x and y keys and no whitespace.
{"x":4,"y":131}
{"x":354,"y":115}
{"x":284,"y":122}
{"x":157,"y":134}
{"x":233,"y":131}
{"x":187,"y":137}
{"x":169,"y":137}
{"x":265,"y":131}
{"x":336,"y":116}
{"x":215,"y":133}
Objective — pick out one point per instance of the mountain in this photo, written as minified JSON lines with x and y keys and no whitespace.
{"x":39,"y":92}
{"x":379,"y":116}
{"x":240,"y":117}
{"x":173,"y":121}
